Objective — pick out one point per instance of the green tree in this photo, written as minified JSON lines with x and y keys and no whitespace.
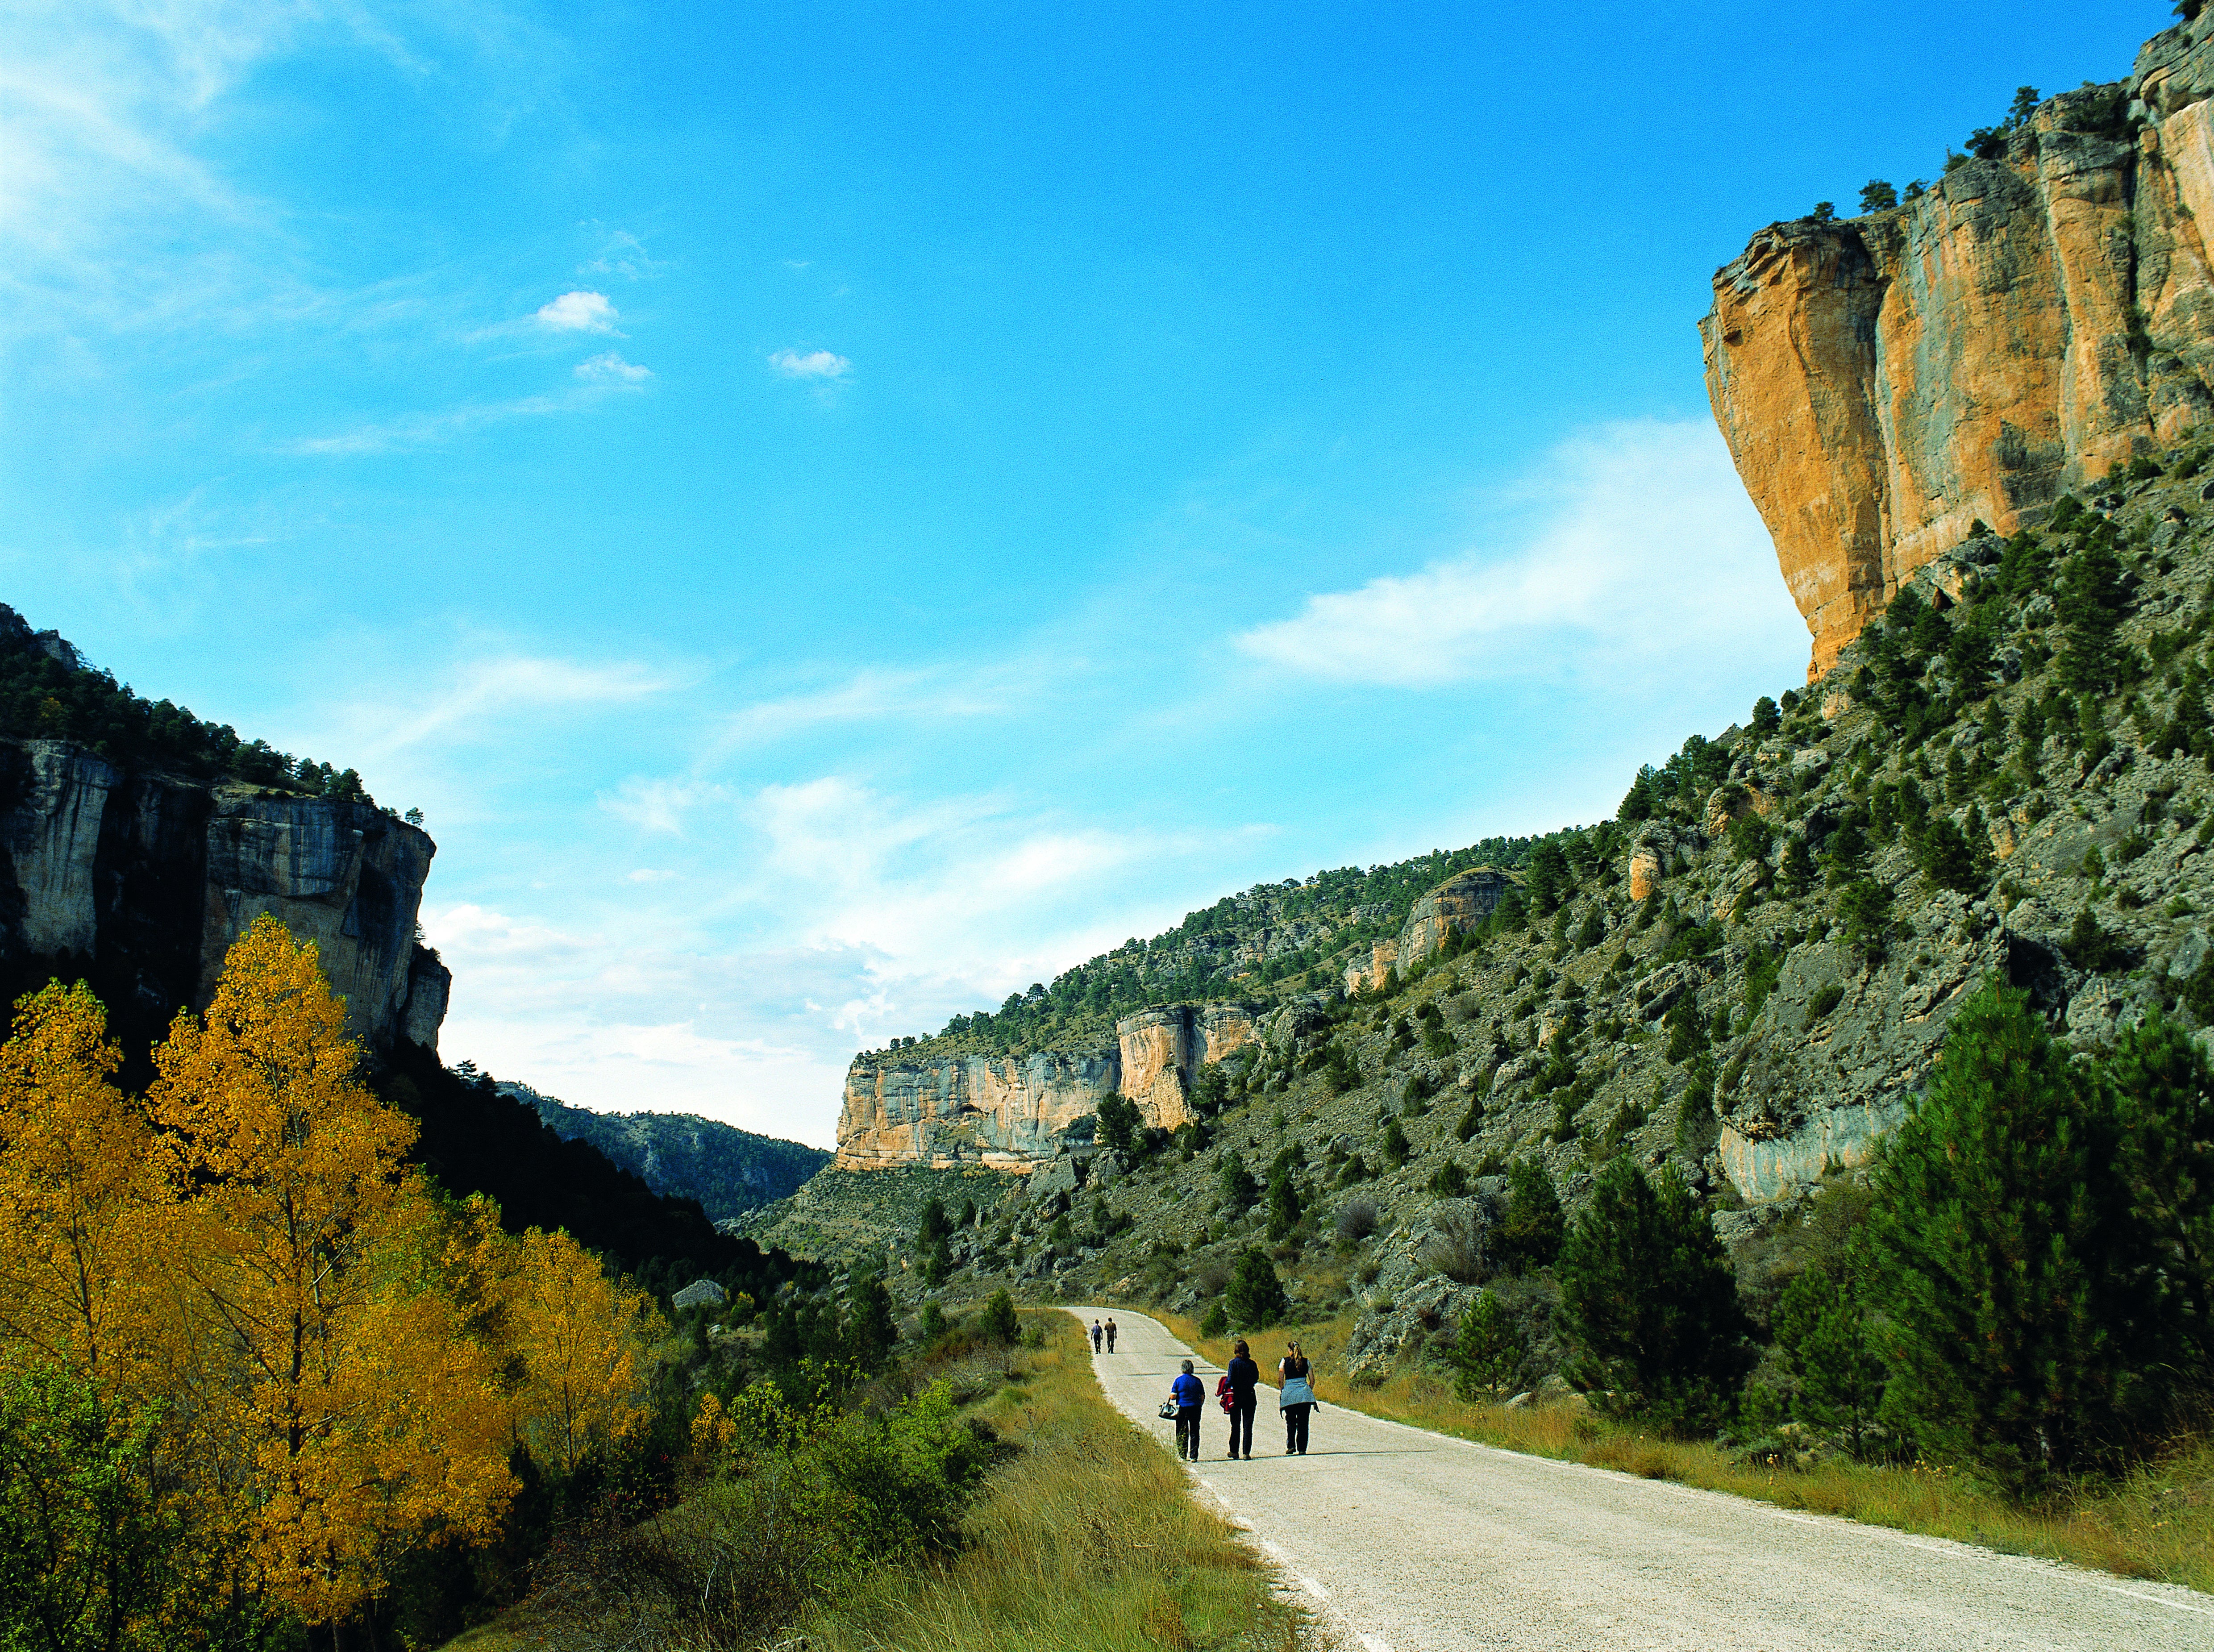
{"x":1239,"y":1190}
{"x":1119,"y":1122}
{"x":1285,"y":1205}
{"x":1547,"y":877}
{"x":1489,"y":1350}
{"x":997,"y":1320}
{"x":1877,"y":196}
{"x":2012,"y":1289}
{"x":85,"y":1547}
{"x":1947,"y":858}
{"x":1529,"y":1235}
{"x":934,"y":1225}
{"x":1821,"y":1330}
{"x":1650,"y":1304}
{"x":2091,"y":603}
{"x":2164,"y":1093}
{"x":1766,"y":718}
{"x":1864,"y":907}
{"x":1256,"y":1298}
{"x":1397,"y":1147}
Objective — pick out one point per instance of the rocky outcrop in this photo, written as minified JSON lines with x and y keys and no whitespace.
{"x":1454,"y":906}
{"x":2034,"y":319}
{"x":1014,"y":1112}
{"x":141,"y":882}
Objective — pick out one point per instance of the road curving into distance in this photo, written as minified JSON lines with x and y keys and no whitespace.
{"x":1410,"y":1541}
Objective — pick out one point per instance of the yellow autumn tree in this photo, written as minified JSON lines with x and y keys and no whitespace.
{"x":80,"y":1207}
{"x":339,"y":1408}
{"x":578,"y":1345}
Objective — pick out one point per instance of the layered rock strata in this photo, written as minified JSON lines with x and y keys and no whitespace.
{"x":141,"y":882}
{"x":1012,"y":1112}
{"x":1886,"y":381}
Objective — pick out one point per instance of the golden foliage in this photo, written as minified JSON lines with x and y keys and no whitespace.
{"x":80,"y":1207}
{"x":343,"y":1365}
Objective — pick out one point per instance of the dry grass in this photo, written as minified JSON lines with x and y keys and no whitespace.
{"x":1087,"y":1539}
{"x":2158,"y":1524}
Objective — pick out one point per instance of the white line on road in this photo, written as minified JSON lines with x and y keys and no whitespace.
{"x":1314,"y":1588}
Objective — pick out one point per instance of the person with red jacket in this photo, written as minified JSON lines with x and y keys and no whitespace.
{"x":1238,"y":1382}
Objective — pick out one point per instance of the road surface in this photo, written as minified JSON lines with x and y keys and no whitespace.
{"x":1408,"y":1540}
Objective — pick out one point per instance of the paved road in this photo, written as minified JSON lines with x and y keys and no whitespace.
{"x":1411,"y":1540}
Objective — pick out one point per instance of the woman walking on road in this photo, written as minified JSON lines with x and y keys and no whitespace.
{"x":1096,"y":1335}
{"x":1189,"y":1395}
{"x":1242,"y":1376}
{"x":1295,"y":1398}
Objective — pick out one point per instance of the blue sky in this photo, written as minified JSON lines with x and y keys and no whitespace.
{"x":836,"y":513}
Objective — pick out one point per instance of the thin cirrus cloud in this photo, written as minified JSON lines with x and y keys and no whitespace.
{"x":579,"y":312}
{"x":609,"y":368}
{"x":1642,"y":546}
{"x":822,"y":366}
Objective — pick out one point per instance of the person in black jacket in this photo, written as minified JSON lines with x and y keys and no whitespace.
{"x":1243,"y":1375}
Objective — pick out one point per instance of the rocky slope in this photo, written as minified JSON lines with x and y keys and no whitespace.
{"x":2029,"y":322}
{"x":728,"y":1172}
{"x":945,"y":1102}
{"x":1749,"y":973}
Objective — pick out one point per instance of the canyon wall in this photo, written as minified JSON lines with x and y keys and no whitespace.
{"x":2034,"y":320}
{"x":1008,"y":1112}
{"x":140,"y":883}
{"x":1457,"y":905}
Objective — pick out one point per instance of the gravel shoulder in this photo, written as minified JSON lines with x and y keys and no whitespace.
{"x":1409,"y":1539}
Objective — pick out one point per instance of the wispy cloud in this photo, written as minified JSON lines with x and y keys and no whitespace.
{"x":818,"y":364}
{"x":867,"y":696}
{"x":622,"y":253}
{"x":1644,"y":544}
{"x":610,"y":368}
{"x":458,"y":705}
{"x":579,"y":312}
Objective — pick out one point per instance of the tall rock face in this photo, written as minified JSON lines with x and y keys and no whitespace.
{"x":1458,"y":904}
{"x":1010,"y":1112}
{"x":141,"y":882}
{"x":1885,"y":382}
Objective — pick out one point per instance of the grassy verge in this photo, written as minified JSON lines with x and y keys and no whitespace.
{"x":1086,"y":1537}
{"x":1089,"y":1540}
{"x":2158,"y":1523}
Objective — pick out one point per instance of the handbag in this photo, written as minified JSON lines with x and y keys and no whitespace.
{"x":1223,"y":1393}
{"x":1296,"y":1390}
{"x":1167,"y":1413}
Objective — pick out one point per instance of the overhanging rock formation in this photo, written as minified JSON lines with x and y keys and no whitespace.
{"x":2034,"y":320}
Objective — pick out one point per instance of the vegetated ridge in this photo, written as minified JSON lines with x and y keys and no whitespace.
{"x":725,"y":1169}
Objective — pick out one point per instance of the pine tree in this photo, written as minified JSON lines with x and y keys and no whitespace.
{"x":1489,"y":1349}
{"x":2165,"y":1097}
{"x":1256,"y":1297}
{"x":1822,"y":1331}
{"x":2091,"y":606}
{"x":997,"y":1320}
{"x":1529,"y":1236}
{"x":1650,"y":1304}
{"x":1947,"y":858}
{"x":2011,"y":1287}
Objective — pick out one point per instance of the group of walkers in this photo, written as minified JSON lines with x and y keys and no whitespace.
{"x":1100,"y":1333}
{"x":1295,"y":1401}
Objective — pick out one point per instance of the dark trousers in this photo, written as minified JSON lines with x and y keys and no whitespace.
{"x":1110,"y":1341}
{"x":1241,"y":1427}
{"x":1295,"y":1428}
{"x":1188,"y":1432}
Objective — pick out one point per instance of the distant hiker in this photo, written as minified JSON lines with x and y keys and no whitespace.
{"x":1240,"y":1380}
{"x":1096,"y":1334}
{"x":1295,"y":1398}
{"x":1110,"y":1336}
{"x":1190,"y":1396}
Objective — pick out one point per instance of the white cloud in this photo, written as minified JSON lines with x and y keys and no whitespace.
{"x":815,"y":364}
{"x":579,"y":312}
{"x":1645,"y":546}
{"x":610,"y":368}
{"x":622,"y":253}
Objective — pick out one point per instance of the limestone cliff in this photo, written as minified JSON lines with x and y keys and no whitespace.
{"x":1010,"y":1113}
{"x":1455,"y":906}
{"x":140,"y":881}
{"x":2012,"y":334}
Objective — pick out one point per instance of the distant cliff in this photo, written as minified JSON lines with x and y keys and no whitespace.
{"x":1008,"y":1112}
{"x":2032,"y":320}
{"x":728,"y":1171}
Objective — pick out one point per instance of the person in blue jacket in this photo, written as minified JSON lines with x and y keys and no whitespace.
{"x":1190,"y":1396}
